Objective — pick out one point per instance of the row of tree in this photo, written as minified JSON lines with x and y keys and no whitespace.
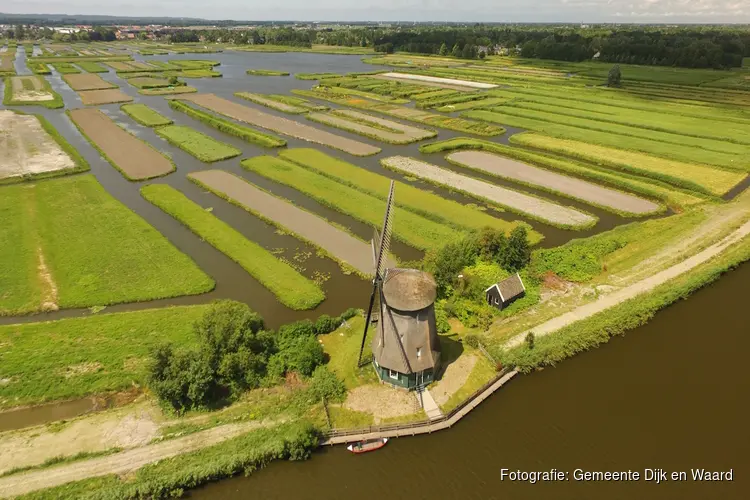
{"x":98,"y":34}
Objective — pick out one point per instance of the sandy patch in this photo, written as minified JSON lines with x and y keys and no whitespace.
{"x":519,"y":202}
{"x":26,"y":148}
{"x":21,"y":94}
{"x":87,"y":81}
{"x":577,"y":188}
{"x":310,"y":227}
{"x":280,"y":125}
{"x":81,"y":369}
{"x":134,"y":157}
{"x":95,"y":97}
{"x":450,"y":83}
{"x":382,"y":401}
{"x":49,"y":288}
{"x":453,"y":379}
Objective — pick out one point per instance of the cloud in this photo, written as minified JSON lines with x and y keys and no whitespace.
{"x":590,"y":11}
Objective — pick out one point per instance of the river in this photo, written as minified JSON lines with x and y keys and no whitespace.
{"x":672,"y":394}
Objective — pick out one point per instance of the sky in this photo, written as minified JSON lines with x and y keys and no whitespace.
{"x":590,"y":11}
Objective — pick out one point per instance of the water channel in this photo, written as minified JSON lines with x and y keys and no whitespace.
{"x":672,"y":394}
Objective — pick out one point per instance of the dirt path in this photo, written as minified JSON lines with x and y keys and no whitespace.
{"x":280,"y":125}
{"x":310,"y":227}
{"x":533,"y":206}
{"x":26,"y":148}
{"x":627,"y":293}
{"x":576,"y":188}
{"x":134,"y":157}
{"x":120,"y":463}
{"x":49,"y":287}
{"x":454,"y":378}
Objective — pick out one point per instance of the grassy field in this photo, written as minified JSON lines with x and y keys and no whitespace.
{"x":72,"y":358}
{"x":145,"y":115}
{"x":412,"y":229}
{"x":266,"y":72}
{"x":228,"y":127}
{"x":65,"y":68}
{"x":290,"y":287}
{"x":420,"y":202}
{"x":197,"y":144}
{"x":342,"y":346}
{"x":55,"y":103}
{"x":96,"y":251}
{"x":685,"y":175}
{"x":296,"y":101}
{"x":673,"y":197}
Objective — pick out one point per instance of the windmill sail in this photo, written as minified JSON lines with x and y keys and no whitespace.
{"x":380,"y":248}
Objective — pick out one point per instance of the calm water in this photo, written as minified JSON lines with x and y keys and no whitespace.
{"x":672,"y":394}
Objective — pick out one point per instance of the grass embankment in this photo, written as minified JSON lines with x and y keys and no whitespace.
{"x":145,"y":115}
{"x":55,"y":103}
{"x":271,"y":103}
{"x":170,"y":477}
{"x":182,"y":89}
{"x":674,"y":198}
{"x":65,"y":68}
{"x":266,"y":72}
{"x":315,"y":76}
{"x":345,"y":92}
{"x":229,"y":127}
{"x":72,"y":358}
{"x":698,"y":178}
{"x":290,"y":287}
{"x":412,"y":229}
{"x":197,"y":144}
{"x":428,"y":205}
{"x":92,"y":67}
{"x":677,"y":149}
{"x":423,"y":117}
{"x":96,"y":251}
{"x":296,"y":101}
{"x":150,"y":82}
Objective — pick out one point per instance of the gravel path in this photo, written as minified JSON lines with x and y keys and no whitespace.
{"x":615,"y":298}
{"x":535,"y":207}
{"x":310,"y":227}
{"x":576,"y":188}
{"x":120,"y":463}
{"x":280,"y":125}
{"x":134,"y":157}
{"x":450,"y":83}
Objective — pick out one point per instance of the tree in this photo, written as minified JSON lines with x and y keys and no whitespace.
{"x":173,"y":80}
{"x":456,"y":51}
{"x":19,"y":32}
{"x":518,"y":253}
{"x":614,"y":77}
{"x":443,"y":50}
{"x":530,"y":340}
{"x":482,"y":55}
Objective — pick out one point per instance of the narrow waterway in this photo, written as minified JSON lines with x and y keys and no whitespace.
{"x":671,"y":395}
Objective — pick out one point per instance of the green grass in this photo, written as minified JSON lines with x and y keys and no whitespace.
{"x":194,"y":63}
{"x":92,"y":67}
{"x":471,"y":104}
{"x":228,"y":127}
{"x":315,"y":76}
{"x":412,"y":229}
{"x":610,"y":136}
{"x":462,"y":97}
{"x":65,"y":68}
{"x":367,"y":95}
{"x":266,"y":72}
{"x":40,"y":69}
{"x":290,"y":287}
{"x":698,"y":178}
{"x":197,"y":144}
{"x":147,"y":82}
{"x":342,"y":345}
{"x":482,"y":373}
{"x":423,"y":203}
{"x":96,"y":250}
{"x":344,"y":418}
{"x":674,"y":198}
{"x":181,"y":89}
{"x":296,"y":101}
{"x":55,"y":59}
{"x":145,"y":115}
{"x":55,"y":103}
{"x":270,"y":103}
{"x":99,"y":353}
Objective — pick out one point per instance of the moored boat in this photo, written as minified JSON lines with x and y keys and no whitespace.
{"x":369,"y":445}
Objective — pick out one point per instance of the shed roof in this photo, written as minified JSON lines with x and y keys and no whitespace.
{"x":509,"y":288}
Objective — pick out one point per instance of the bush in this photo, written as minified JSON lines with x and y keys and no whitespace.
{"x":325,"y":324}
{"x":441,"y":318}
{"x":472,"y":341}
{"x":325,"y":384}
{"x":301,"y":354}
{"x":518,"y":251}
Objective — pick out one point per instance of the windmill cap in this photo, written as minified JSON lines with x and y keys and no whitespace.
{"x":409,"y":289}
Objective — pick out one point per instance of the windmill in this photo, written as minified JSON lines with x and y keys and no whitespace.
{"x":406,"y":348}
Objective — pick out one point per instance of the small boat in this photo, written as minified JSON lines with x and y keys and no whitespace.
{"x":369,"y":445}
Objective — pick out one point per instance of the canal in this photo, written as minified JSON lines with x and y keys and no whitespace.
{"x":672,"y":394}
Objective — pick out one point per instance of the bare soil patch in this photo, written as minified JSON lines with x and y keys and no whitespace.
{"x":26,"y":148}
{"x":87,"y":81}
{"x":49,"y":288}
{"x":577,"y":188}
{"x":136,"y":159}
{"x":434,"y":81}
{"x":519,"y":202}
{"x":278,"y":105}
{"x":280,"y":125}
{"x":381,"y":401}
{"x":341,"y":245}
{"x":39,"y":93}
{"x":453,"y":379}
{"x":96,"y":97}
{"x":401,"y":134}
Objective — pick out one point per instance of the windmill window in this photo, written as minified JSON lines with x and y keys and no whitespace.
{"x":419,"y":352}
{"x":393,"y":374}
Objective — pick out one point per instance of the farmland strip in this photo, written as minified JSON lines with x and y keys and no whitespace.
{"x":200,"y":145}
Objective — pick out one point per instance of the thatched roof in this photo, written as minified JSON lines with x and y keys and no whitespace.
{"x":509,"y":288}
{"x":409,"y":289}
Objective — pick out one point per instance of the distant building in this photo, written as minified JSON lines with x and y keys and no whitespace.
{"x":502,"y":294}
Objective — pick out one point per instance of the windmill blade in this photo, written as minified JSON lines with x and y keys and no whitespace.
{"x":385,"y":239}
{"x":375,"y":288}
{"x":375,"y":250}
